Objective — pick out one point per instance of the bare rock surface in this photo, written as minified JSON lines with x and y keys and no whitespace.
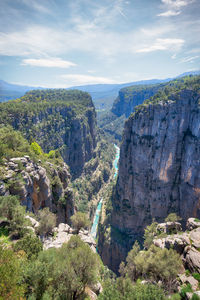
{"x":158,"y":169}
{"x":32,"y":183}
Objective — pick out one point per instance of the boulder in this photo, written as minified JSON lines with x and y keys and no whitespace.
{"x":169,"y":227}
{"x":63,"y":227}
{"x":177,"y":241}
{"x":57,"y":242}
{"x":192,"y":223}
{"x":195,"y":237}
{"x":192,"y":259}
{"x":189,"y":279}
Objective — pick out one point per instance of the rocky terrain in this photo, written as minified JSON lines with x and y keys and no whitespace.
{"x":158,"y":168}
{"x":38,"y":185}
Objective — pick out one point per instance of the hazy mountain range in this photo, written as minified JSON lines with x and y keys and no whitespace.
{"x":103,"y":95}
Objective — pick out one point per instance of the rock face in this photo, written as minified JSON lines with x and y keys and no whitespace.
{"x":63,"y":234}
{"x":38,"y":188}
{"x":159,"y":167}
{"x":132,"y":96}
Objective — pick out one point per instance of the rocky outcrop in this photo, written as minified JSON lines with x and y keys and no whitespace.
{"x":158,"y":167}
{"x":192,"y":223}
{"x":63,"y":233}
{"x":187,"y":244}
{"x":39,"y":185}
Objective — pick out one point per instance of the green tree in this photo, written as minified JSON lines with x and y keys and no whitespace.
{"x":63,"y":273}
{"x":156,"y":264}
{"x":124,"y":289}
{"x":30,"y":244}
{"x":80,"y":220}
{"x":47,"y":221}
{"x":172,"y":218}
{"x":10,"y":275}
{"x":14,"y":213}
{"x":36,"y":148}
{"x":149,"y":234}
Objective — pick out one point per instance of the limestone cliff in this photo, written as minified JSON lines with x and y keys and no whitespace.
{"x":38,"y":185}
{"x":159,"y":167}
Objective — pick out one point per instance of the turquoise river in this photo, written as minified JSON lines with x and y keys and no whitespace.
{"x":98,"y":210}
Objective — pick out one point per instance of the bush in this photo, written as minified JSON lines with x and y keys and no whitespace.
{"x":10,"y":276}
{"x":47,"y":221}
{"x":172,"y":218}
{"x":149,"y":234}
{"x":30,"y":244}
{"x":12,"y":143}
{"x":124,"y":289}
{"x":154,"y":264}
{"x":63,"y":273}
{"x":36,"y":148}
{"x":80,"y":220}
{"x":14,"y":213}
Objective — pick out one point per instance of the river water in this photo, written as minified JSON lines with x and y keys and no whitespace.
{"x":98,"y":210}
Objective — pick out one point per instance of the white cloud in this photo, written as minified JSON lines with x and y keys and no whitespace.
{"x":80,"y":79}
{"x":169,"y":13}
{"x":189,"y":59}
{"x":174,"y":7}
{"x":163,"y":44}
{"x":54,"y":62}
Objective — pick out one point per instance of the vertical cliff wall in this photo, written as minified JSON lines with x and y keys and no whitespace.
{"x":159,"y":167}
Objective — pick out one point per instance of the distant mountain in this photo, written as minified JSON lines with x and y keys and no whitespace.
{"x":103,"y":95}
{"x":10,"y":91}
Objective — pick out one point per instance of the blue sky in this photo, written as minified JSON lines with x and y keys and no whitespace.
{"x":62,"y":43}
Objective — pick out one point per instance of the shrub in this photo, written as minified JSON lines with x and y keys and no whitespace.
{"x":10,"y":276}
{"x":30,"y":244}
{"x":149,"y":234}
{"x":154,"y":264}
{"x":80,"y":220}
{"x":14,"y":213}
{"x":47,"y":221}
{"x":36,"y":148}
{"x":63,"y":273}
{"x":124,"y":289}
{"x":172,"y":218}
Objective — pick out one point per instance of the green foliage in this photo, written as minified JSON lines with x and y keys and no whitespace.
{"x":63,"y":273}
{"x":10,"y":275}
{"x":195,"y":297}
{"x":30,"y":244}
{"x":130,"y":270}
{"x":175,"y":297}
{"x":123,"y":289}
{"x":197,"y":220}
{"x":172,"y":218}
{"x":185,"y":289}
{"x":149,"y":234}
{"x":47,"y":221}
{"x":36,"y":148}
{"x":154,"y":264}
{"x":14,"y":213}
{"x":12,"y":143}
{"x":80,"y":220}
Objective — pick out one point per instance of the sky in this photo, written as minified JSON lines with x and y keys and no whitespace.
{"x":63,"y":43}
